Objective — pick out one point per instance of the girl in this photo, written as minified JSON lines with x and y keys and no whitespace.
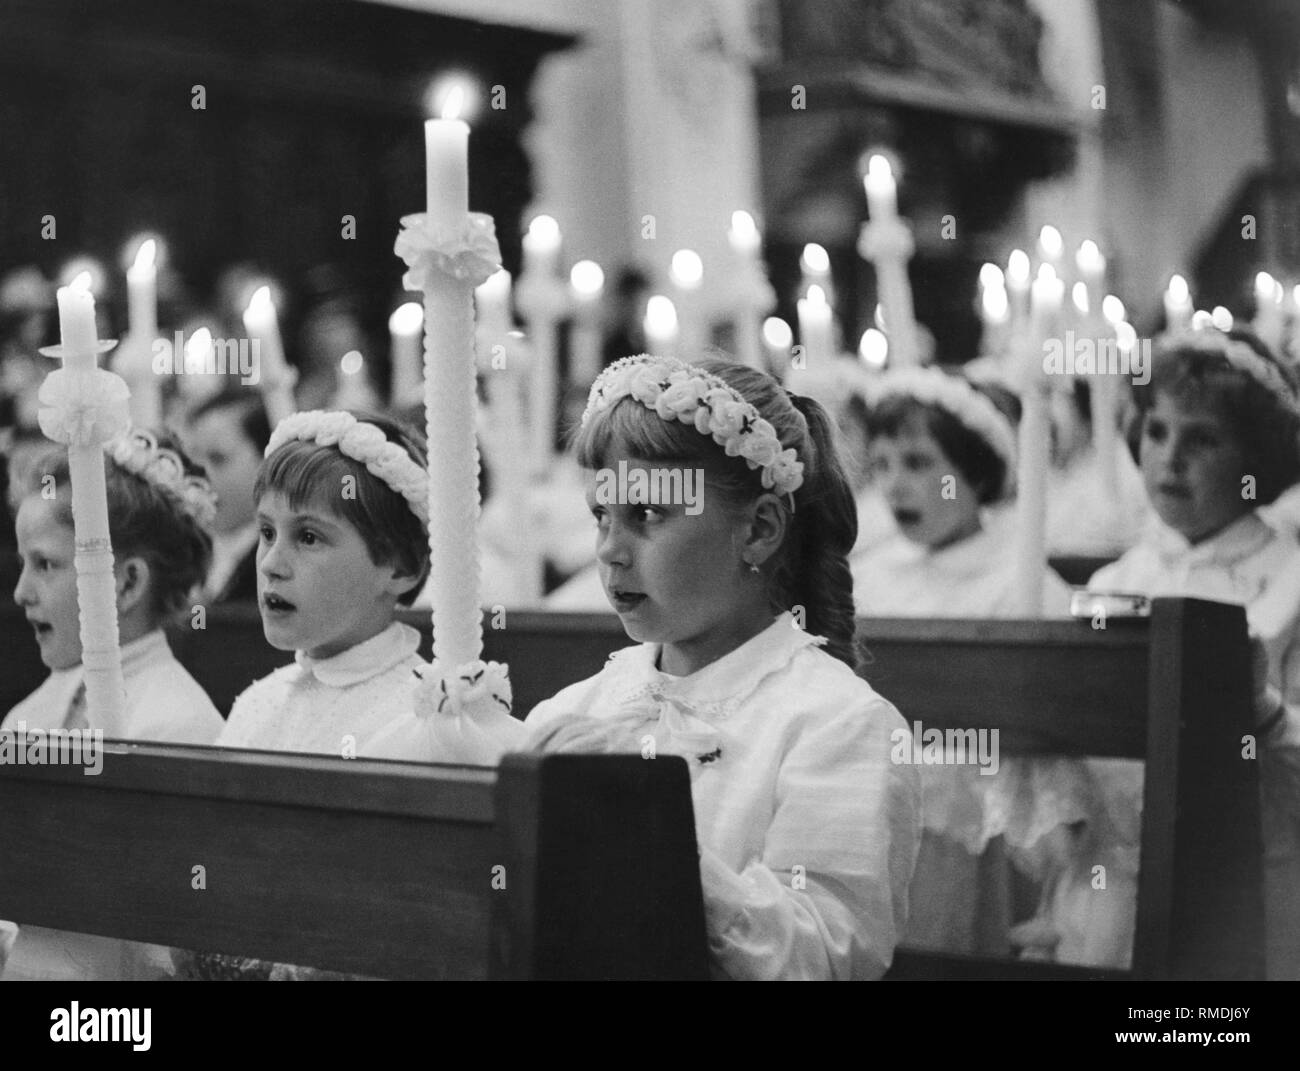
{"x":944,"y":457}
{"x":342,"y":513}
{"x":742,"y":607}
{"x":159,"y":507}
{"x":1217,"y":435}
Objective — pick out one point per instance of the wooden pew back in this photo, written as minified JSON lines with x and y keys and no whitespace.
{"x":554,"y":867}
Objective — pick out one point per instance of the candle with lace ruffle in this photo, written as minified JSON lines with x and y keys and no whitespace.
{"x":449,"y":251}
{"x":85,"y":406}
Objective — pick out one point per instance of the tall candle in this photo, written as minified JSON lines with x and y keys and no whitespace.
{"x":686,"y":271}
{"x":492,"y":302}
{"x":994,"y":310}
{"x":542,"y":247}
{"x":587,"y":283}
{"x":777,"y":340}
{"x":1051,"y":246}
{"x":135,"y":359}
{"x":142,"y":291}
{"x":405,"y":326}
{"x":815,"y":264}
{"x":816,"y":331}
{"x":1092,"y":269}
{"x":262,"y":323}
{"x":354,"y":390}
{"x":754,"y":295}
{"x":101,"y":655}
{"x":1017,"y":280}
{"x":1268,"y":310}
{"x":881,"y":189}
{"x":661,"y":326}
{"x":1178,"y":304}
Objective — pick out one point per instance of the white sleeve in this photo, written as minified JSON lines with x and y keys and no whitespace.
{"x":828,"y":899}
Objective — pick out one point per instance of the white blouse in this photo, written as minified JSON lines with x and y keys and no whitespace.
{"x":163,"y":702}
{"x":1254,"y":565}
{"x":808,"y":832}
{"x":973,"y":577}
{"x":331,"y":706}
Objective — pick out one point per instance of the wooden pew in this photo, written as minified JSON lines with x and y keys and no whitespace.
{"x":1172,"y":689}
{"x":381,"y":869}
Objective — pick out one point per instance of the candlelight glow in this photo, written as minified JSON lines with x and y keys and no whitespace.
{"x":407,"y":319}
{"x":1050,"y":243}
{"x":1112,"y":308}
{"x":352,"y":363}
{"x":873,"y":348}
{"x":453,"y":102}
{"x":1125,"y":336}
{"x":687,"y":269}
{"x":1178,"y":291}
{"x":146,"y":255}
{"x":1295,"y":296}
{"x":816,"y":295}
{"x":1201,"y":320}
{"x":544,"y":231}
{"x":197,"y":349}
{"x":991,"y":275}
{"x":993,"y":300}
{"x":878,"y":169}
{"x":1221,"y":318}
{"x":1018,"y":269}
{"x":81,"y":282}
{"x":743,"y":234}
{"x":1079,"y":295}
{"x":587,"y":278}
{"x":660,"y":316}
{"x":1088,"y":258}
{"x":79,"y":266}
{"x":815,"y":259}
{"x":260,"y":303}
{"x":777,"y":333}
{"x":1263,"y":286}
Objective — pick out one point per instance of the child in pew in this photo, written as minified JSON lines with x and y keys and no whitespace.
{"x":807,"y":831}
{"x":943,"y":453}
{"x":159,"y":509}
{"x":1217,"y":435}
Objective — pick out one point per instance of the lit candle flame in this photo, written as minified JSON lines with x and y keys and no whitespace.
{"x":816,"y":295}
{"x":1050,"y":242}
{"x":1201,"y":320}
{"x":815,"y":259}
{"x":1263,"y":286}
{"x":660,"y":315}
{"x":1178,"y":291}
{"x":407,"y":319}
{"x":873,"y":348}
{"x":991,"y":275}
{"x":587,"y":278}
{"x":81,"y":282}
{"x":146,"y":255}
{"x":260,"y":302}
{"x":1089,"y":258}
{"x":1079,"y":295}
{"x":1125,"y":336}
{"x":1112,"y":308}
{"x":777,"y":333}
{"x":352,"y":363}
{"x":687,"y":269}
{"x":453,"y":102}
{"x":1018,"y":269}
{"x":1221,"y":318}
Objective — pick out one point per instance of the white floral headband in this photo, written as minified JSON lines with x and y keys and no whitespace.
{"x":678,"y":391}
{"x":137,"y":451}
{"x":1239,"y":355}
{"x":362,"y":442}
{"x":955,"y":396}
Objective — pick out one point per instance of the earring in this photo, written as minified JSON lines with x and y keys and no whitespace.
{"x":752,"y":567}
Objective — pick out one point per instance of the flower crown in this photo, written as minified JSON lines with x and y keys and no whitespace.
{"x":955,"y":396}
{"x":1239,"y":355}
{"x":676,"y":390}
{"x":362,"y":442}
{"x":137,"y":451}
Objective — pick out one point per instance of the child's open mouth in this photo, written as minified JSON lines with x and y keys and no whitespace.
{"x":276,"y":604}
{"x":43,"y":629}
{"x":625,"y":601}
{"x":906,"y":517}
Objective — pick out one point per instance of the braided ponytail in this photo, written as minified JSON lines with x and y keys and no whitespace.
{"x":814,"y":571}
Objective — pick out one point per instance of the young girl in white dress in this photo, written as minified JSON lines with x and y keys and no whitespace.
{"x":742,"y":607}
{"x":342,"y":514}
{"x":943,"y":453}
{"x":159,"y":512}
{"x":1217,"y":436}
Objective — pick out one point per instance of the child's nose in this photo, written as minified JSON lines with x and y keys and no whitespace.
{"x":273,"y":561}
{"x":612,"y":546}
{"x":23,"y":593}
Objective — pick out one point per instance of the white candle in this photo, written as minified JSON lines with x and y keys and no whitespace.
{"x":1092,"y":269}
{"x":542,"y":247}
{"x":754,"y":295}
{"x":1221,"y":317}
{"x":995,"y":310}
{"x":686,"y":271}
{"x":1268,"y":310}
{"x":587,"y":284}
{"x":816,"y":331}
{"x":881,"y":189}
{"x":404,"y":329}
{"x":1050,"y":246}
{"x":815,"y":263}
{"x":661,"y":326}
{"x":1045,"y":300}
{"x":353,"y":387}
{"x":777,"y":340}
{"x":446,"y":161}
{"x":743,"y":235}
{"x":492,"y":302}
{"x":262,"y":323}
{"x":1178,"y":304}
{"x":142,"y":292}
{"x":93,"y":558}
{"x":1017,"y":281}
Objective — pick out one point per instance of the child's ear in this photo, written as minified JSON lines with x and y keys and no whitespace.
{"x":400,"y":583}
{"x":132,"y":577}
{"x":765,"y":530}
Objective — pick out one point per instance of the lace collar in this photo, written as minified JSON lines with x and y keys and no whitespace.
{"x":367,"y":659}
{"x":1243,"y":537}
{"x":720,"y":687}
